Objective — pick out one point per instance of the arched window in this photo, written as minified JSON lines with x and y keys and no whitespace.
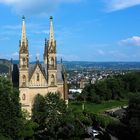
{"x":23,"y":97}
{"x":37,"y":76}
{"x":51,"y":62}
{"x":23,"y":80}
{"x":52,"y":80}
{"x":24,"y":61}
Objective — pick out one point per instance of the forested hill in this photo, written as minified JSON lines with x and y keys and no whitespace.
{"x":102,"y":65}
{"x":78,"y":65}
{"x":4,"y":65}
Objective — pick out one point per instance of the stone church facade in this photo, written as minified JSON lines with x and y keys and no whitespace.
{"x":40,"y":78}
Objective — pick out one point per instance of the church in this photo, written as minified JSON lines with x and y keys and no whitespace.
{"x":40,"y":78}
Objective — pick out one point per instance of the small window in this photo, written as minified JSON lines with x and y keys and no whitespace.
{"x":52,"y":80}
{"x":24,"y":61}
{"x":23,"y":80}
{"x":23,"y":97}
{"x":37,"y":76}
{"x":51,"y":62}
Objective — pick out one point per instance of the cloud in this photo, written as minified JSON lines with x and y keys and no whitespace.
{"x":35,"y":7}
{"x":132,"y":41}
{"x":68,"y":57}
{"x":15,"y":54}
{"x":114,"y":5}
{"x":101,"y":52}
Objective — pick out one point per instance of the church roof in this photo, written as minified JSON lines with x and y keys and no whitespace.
{"x":43,"y":68}
{"x":32,"y":68}
{"x":59,"y":73}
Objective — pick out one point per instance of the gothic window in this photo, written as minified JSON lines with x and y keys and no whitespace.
{"x":52,"y":80}
{"x":23,"y":97}
{"x":24,"y":61}
{"x":51,"y":62}
{"x":23,"y":80}
{"x":37,"y":76}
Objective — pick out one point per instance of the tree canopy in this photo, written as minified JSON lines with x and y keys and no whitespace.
{"x":115,"y":87}
{"x":10,"y":110}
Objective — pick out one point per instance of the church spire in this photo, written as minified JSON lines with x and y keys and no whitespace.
{"x":23,"y":35}
{"x":51,"y":37}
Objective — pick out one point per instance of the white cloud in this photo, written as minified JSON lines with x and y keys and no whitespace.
{"x":35,"y":7}
{"x":38,"y":56}
{"x":114,"y":5}
{"x":15,"y":54}
{"x":101,"y":52}
{"x":67,"y":57}
{"x":132,"y":41}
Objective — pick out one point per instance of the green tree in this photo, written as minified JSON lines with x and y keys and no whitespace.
{"x":39,"y":111}
{"x":29,"y":127}
{"x":55,"y":110}
{"x":10,"y":110}
{"x":132,"y":81}
{"x":49,"y":112}
{"x":102,"y":90}
{"x":133,"y":115}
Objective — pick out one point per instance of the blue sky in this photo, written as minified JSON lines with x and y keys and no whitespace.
{"x":85,"y":30}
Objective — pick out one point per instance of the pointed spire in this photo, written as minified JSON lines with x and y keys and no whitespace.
{"x":51,"y":37}
{"x":23,"y":35}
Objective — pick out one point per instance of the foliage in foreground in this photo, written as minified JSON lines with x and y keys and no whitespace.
{"x":10,"y":110}
{"x":132,"y":118}
{"x":13,"y":123}
{"x":55,"y":120}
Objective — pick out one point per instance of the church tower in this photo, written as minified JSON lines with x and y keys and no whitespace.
{"x":23,"y":58}
{"x":50,"y":57}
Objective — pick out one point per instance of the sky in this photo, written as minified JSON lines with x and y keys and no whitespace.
{"x":85,"y":30}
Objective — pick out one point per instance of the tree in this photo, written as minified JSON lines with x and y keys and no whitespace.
{"x":132,"y":81}
{"x":49,"y":112}
{"x":101,"y":89}
{"x":55,"y":112}
{"x":10,"y":110}
{"x":39,"y":111}
{"x":115,"y":84}
{"x":29,"y":127}
{"x":133,"y":115}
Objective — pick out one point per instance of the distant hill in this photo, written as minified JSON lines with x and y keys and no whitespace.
{"x":5,"y":62}
{"x":102,"y":65}
{"x":4,"y":66}
{"x":79,"y":65}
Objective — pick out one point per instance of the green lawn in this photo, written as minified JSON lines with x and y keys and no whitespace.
{"x":97,"y":108}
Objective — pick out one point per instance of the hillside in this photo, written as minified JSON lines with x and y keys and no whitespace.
{"x":4,"y":66}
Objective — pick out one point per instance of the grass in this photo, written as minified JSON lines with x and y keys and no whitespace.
{"x":97,"y":108}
